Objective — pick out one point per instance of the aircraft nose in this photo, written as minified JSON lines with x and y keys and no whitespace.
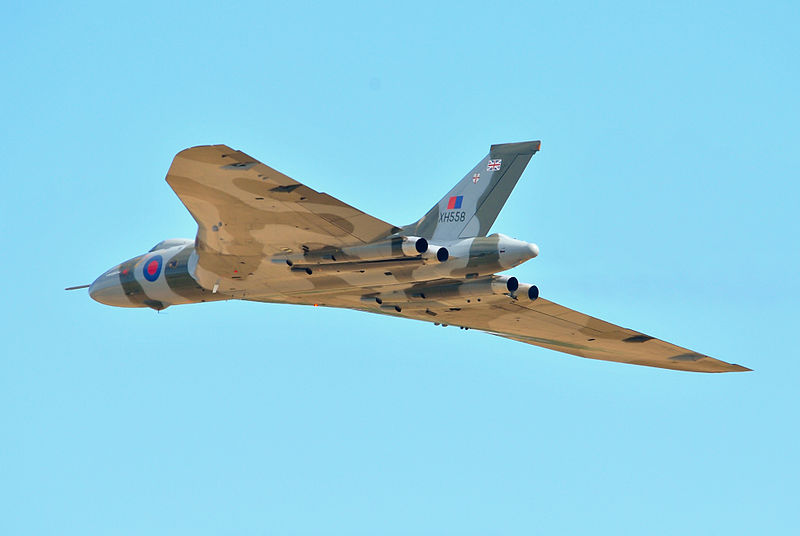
{"x":107,"y":290}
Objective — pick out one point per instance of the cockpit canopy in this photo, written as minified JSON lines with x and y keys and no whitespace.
{"x":171,"y":243}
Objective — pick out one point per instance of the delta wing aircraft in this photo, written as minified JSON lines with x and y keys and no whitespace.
{"x":265,"y":237}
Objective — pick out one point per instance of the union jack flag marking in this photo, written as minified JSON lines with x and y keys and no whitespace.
{"x":493,"y":165}
{"x":476,"y":178}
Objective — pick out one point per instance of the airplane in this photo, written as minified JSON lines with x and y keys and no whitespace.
{"x":264,"y":237}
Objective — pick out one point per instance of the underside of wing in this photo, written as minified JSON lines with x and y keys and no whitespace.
{"x":540,"y":323}
{"x":246,"y":211}
{"x":549,"y":325}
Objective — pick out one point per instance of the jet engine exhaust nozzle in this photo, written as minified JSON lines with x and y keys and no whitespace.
{"x":524,"y":289}
{"x":512,"y":284}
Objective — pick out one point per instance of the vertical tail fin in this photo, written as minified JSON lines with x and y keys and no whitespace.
{"x":472,"y":206}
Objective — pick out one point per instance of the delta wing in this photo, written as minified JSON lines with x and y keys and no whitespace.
{"x":246,"y":212}
{"x":549,"y":325}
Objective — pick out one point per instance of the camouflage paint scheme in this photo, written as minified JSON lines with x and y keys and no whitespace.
{"x":265,"y":237}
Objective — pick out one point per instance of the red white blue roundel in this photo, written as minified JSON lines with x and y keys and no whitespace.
{"x":152,"y":268}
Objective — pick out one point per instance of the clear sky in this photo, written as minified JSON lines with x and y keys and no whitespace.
{"x":665,"y":198}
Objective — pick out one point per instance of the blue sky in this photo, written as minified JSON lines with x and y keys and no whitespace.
{"x":664,"y":199}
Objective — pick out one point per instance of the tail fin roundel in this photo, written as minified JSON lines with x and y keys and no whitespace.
{"x":472,"y":206}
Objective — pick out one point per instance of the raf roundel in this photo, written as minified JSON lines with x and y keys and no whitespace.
{"x":152,"y":268}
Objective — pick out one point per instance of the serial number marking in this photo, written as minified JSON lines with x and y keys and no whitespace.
{"x":452,"y":216}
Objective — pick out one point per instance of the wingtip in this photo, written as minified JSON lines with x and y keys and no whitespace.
{"x":202,"y":150}
{"x":732,"y":367}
